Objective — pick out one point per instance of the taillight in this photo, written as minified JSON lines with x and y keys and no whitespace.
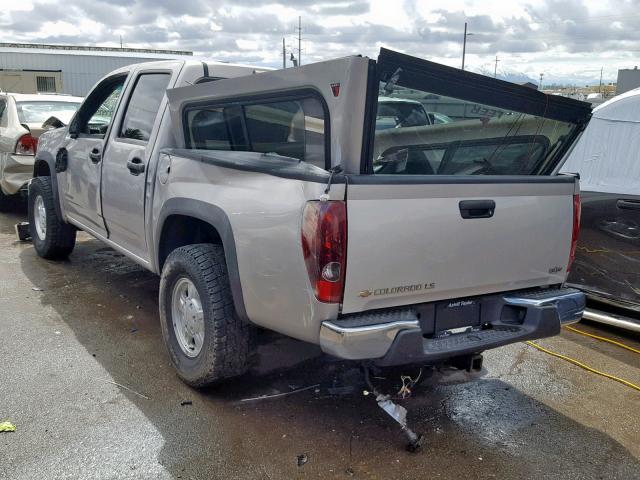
{"x":324,"y":246}
{"x":575,"y":231}
{"x":27,"y":145}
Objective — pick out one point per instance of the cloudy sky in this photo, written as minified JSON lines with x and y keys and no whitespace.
{"x":567,"y":40}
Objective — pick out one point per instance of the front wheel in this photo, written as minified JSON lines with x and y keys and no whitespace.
{"x":206,"y":340}
{"x":52,"y":238}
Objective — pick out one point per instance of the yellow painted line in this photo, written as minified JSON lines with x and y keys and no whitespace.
{"x":585,"y":367}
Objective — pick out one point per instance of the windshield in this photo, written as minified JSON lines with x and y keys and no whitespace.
{"x":39,"y":111}
{"x":421,"y":133}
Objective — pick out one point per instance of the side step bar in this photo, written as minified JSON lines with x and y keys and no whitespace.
{"x":611,"y":319}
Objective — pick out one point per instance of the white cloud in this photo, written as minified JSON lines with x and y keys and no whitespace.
{"x":566,"y":39}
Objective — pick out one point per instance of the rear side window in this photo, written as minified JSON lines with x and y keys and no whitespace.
{"x":290,"y":128}
{"x":143,"y":106}
{"x":209,"y":130}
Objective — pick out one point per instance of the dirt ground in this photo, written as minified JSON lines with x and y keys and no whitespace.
{"x":70,"y":330}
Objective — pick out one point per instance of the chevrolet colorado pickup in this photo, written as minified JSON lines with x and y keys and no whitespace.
{"x":270,"y":199}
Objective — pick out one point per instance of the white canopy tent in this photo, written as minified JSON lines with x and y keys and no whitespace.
{"x":607,"y":156}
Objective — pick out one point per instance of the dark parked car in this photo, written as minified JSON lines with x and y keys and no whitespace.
{"x":607,"y":264}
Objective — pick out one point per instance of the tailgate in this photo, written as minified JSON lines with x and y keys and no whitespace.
{"x":455,"y":196}
{"x":446,"y":237}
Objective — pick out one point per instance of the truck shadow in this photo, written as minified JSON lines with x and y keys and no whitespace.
{"x":482,"y":428}
{"x":614,"y":352}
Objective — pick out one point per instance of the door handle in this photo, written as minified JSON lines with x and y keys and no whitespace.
{"x":628,"y":204}
{"x":135,"y":166}
{"x":95,"y":155}
{"x":477,"y":208}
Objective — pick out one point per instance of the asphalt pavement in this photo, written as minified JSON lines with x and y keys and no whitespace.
{"x":85,"y":378}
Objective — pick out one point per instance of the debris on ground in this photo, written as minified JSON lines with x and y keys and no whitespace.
{"x":37,"y":289}
{"x":407,"y":385}
{"x":395,"y":411}
{"x":281,"y":394}
{"x":186,"y":402}
{"x":7,"y":427}
{"x":127,"y":388}
{"x":302,"y":459}
{"x":22,"y":231}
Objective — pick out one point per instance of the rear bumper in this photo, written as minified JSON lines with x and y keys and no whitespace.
{"x":15,"y":172}
{"x":397,"y":337}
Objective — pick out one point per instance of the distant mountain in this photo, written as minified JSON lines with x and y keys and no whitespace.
{"x":510,"y":76}
{"x":574,"y":80}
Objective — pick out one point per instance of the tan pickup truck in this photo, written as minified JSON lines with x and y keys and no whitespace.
{"x":272,"y":199}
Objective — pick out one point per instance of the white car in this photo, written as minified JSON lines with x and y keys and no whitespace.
{"x":22,"y":119}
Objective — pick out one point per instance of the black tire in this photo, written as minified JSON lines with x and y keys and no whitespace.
{"x":59,"y":237}
{"x":227,"y":339}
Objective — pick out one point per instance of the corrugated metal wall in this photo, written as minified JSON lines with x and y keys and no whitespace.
{"x":79,"y":72}
{"x":627,"y":80}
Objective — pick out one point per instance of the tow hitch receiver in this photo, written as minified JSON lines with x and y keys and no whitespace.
{"x":470,"y":363}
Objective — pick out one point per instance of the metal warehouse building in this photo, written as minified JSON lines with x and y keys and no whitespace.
{"x":34,"y":68}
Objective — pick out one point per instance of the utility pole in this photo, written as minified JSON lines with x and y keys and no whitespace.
{"x":120,"y":41}
{"x":299,"y":40}
{"x":495,"y":69}
{"x":284,"y":55}
{"x":600,"y":87}
{"x":540,"y":85}
{"x":464,"y":44}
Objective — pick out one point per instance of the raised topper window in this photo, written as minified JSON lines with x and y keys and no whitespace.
{"x":420,"y":133}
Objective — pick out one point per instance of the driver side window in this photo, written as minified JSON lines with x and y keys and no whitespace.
{"x":96,"y":113}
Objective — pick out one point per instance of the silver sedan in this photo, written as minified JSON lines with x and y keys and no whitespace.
{"x":22,"y":119}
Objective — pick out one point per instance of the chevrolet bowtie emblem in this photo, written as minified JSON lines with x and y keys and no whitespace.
{"x":364,"y":293}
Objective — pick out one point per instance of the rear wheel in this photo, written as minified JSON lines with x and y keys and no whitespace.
{"x":206,"y":340}
{"x":52,"y":238}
